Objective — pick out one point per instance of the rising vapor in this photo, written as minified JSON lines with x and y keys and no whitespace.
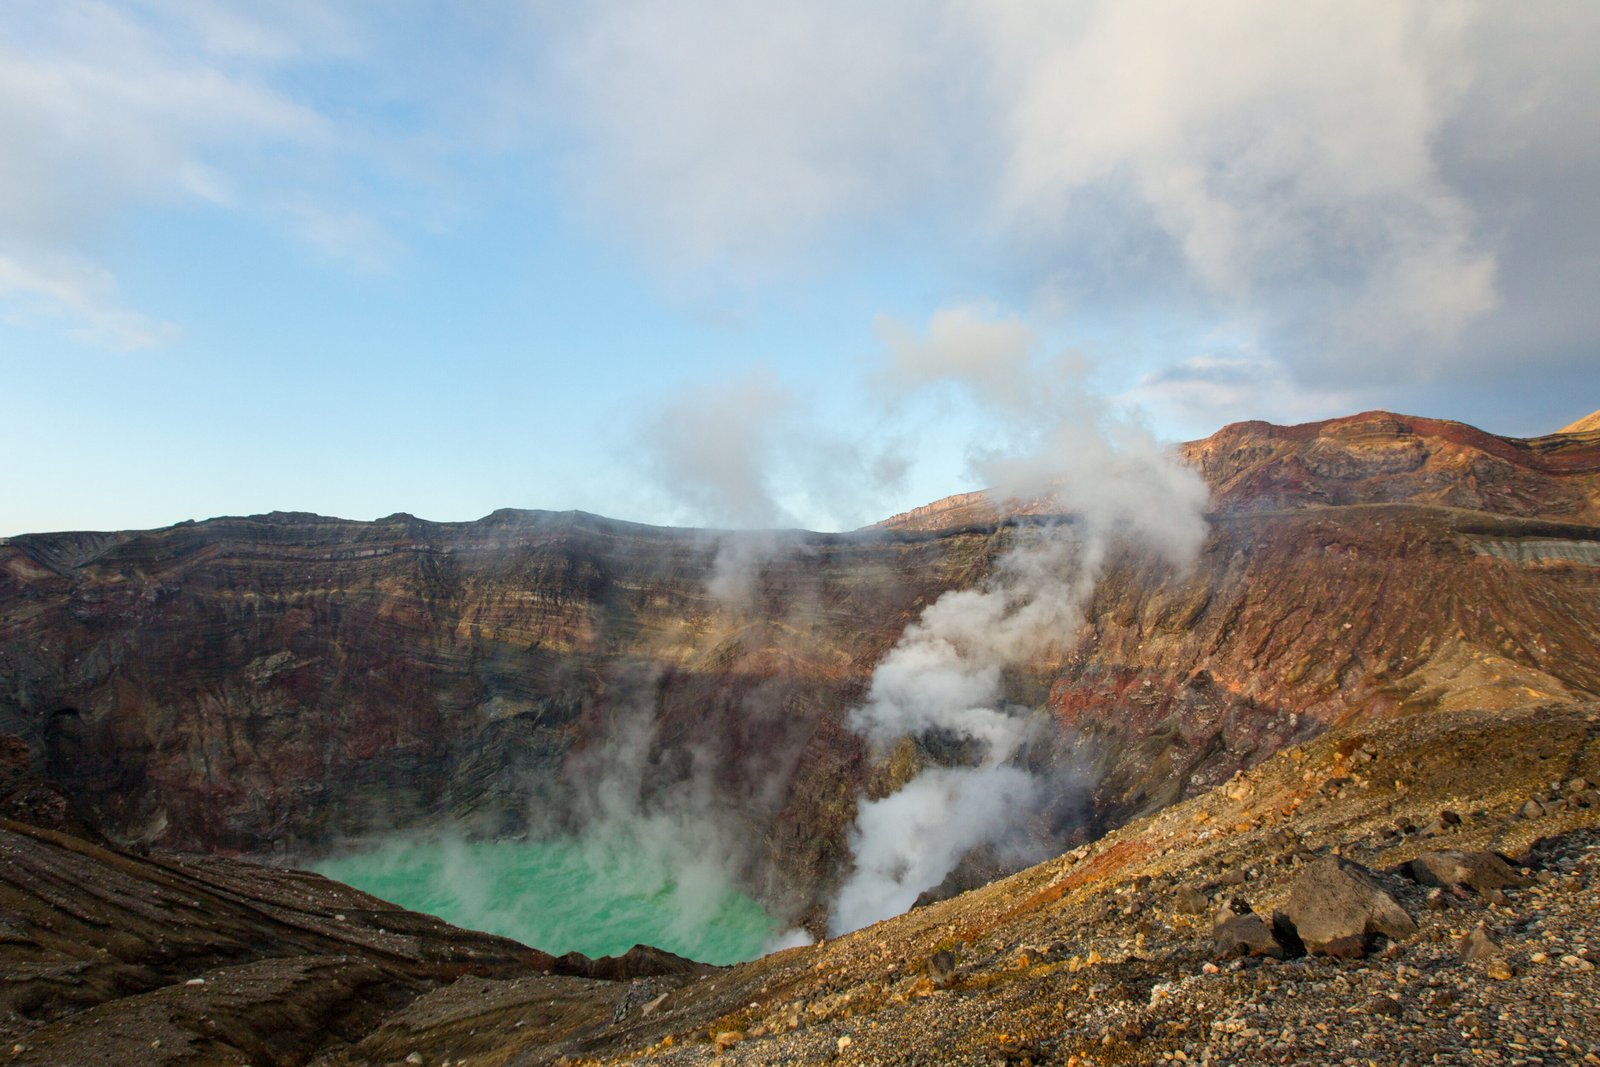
{"x":945,"y":676}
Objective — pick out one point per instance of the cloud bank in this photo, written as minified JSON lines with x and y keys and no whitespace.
{"x":1364,"y":194}
{"x":1369,"y":191}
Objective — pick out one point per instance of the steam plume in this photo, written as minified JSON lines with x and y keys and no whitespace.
{"x":945,"y":675}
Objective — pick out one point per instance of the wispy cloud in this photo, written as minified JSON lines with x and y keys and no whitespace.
{"x":1200,"y":392}
{"x":78,"y":295}
{"x":109,"y":108}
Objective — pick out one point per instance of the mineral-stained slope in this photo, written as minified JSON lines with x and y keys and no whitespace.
{"x":281,"y":681}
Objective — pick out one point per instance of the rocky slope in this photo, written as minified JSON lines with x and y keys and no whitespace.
{"x":1152,"y":945}
{"x":278,"y":682}
{"x":1588,"y":424}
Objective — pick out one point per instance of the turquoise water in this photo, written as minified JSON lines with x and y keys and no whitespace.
{"x":564,"y":895}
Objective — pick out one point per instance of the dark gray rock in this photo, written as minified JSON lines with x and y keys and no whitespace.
{"x":1337,"y":907}
{"x":1481,"y":871}
{"x":1190,"y":901}
{"x":1384,"y":1005}
{"x":1476,"y":945}
{"x":1247,"y":935}
{"x":942,"y":968}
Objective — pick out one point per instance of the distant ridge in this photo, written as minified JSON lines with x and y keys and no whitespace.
{"x":1587,"y":424}
{"x":1375,"y":457}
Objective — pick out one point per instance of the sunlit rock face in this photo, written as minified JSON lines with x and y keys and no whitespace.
{"x":287,"y":681}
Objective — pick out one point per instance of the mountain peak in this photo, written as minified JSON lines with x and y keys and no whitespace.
{"x":1588,"y":424}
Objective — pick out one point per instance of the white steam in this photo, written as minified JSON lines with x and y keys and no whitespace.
{"x":1049,"y":447}
{"x":632,"y":817}
{"x":665,"y":811}
{"x":946,"y":673}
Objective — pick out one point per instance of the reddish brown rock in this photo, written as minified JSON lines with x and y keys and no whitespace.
{"x":273,"y":683}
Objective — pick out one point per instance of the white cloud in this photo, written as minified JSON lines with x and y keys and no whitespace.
{"x":106,"y":108}
{"x":101,"y":112}
{"x":352,"y":238}
{"x":945,"y":673}
{"x":80,"y":295}
{"x":1197,"y":394}
{"x":714,"y":447}
{"x":1317,"y":167}
{"x":976,"y":346}
{"x":720,"y":130}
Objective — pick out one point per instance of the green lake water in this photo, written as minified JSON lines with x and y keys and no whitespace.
{"x":563,"y":895}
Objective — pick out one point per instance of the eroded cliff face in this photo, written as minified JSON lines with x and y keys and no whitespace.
{"x":282,"y":681}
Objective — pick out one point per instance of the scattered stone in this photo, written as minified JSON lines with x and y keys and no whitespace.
{"x":1481,"y":871}
{"x":1498,"y":969}
{"x":1247,"y":935}
{"x":1190,"y":901}
{"x":1531,"y":810}
{"x":1282,"y":839}
{"x":1233,"y":906}
{"x":1384,"y":1005}
{"x":729,"y":1038}
{"x":942,"y":968}
{"x":1477,"y":945}
{"x":1337,"y":907}
{"x":1016,"y":1050}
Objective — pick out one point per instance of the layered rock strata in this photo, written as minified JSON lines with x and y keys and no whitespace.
{"x":275,"y":684}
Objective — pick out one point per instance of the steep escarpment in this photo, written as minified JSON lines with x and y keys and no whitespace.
{"x":286,"y":680}
{"x":1377,"y":457}
{"x":1304,"y":620}
{"x":281,"y":682}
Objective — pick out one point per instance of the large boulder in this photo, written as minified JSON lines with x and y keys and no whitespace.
{"x":1337,"y":907}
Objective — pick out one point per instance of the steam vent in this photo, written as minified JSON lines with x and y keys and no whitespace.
{"x":1300,"y":766}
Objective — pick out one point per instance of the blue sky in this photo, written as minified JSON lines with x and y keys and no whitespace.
{"x":742,"y":264}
